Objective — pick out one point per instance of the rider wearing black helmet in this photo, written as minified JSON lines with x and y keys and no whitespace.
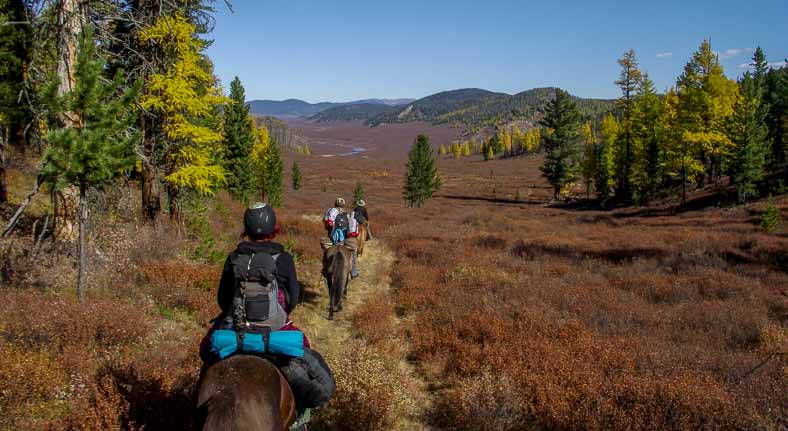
{"x":260,"y":227}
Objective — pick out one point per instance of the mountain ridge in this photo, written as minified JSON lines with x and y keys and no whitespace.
{"x":301,"y":108}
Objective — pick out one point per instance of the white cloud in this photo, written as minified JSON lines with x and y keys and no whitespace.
{"x":773,"y":65}
{"x":729,"y":53}
{"x":664,"y":54}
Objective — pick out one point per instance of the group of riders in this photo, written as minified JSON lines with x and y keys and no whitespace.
{"x":259,"y":289}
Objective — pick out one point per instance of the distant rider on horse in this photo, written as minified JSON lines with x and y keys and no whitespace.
{"x":342,"y":228}
{"x":362,"y":216}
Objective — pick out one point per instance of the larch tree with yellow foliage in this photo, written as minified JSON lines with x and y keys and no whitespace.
{"x":442,"y":150}
{"x":185,"y":97}
{"x":605,"y":157}
{"x":589,"y":164}
{"x":267,"y":162}
{"x":706,"y":101}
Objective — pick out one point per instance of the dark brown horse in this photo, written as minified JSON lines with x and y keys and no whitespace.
{"x":244,"y":393}
{"x":337,"y":262}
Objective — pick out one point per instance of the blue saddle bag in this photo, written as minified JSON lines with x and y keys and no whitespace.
{"x":226,"y":342}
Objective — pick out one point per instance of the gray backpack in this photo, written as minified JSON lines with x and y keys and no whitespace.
{"x":256,"y":306}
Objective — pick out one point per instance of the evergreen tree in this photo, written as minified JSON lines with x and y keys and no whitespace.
{"x":422,"y":178}
{"x":99,"y":145}
{"x":238,"y":141}
{"x":628,"y":82}
{"x":645,"y":128}
{"x":273,"y":176}
{"x":296,"y":173}
{"x":749,"y":134}
{"x":560,"y":140}
{"x":358,"y":193}
{"x":15,"y":56}
{"x":776,"y":97}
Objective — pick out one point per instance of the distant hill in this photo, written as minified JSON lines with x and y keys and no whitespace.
{"x":433,"y":107}
{"x":478,"y":108}
{"x":287,"y":108}
{"x":358,"y":111}
{"x":300,"y":108}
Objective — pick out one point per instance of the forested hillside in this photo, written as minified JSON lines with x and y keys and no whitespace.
{"x":476,"y":108}
{"x":360,"y":111}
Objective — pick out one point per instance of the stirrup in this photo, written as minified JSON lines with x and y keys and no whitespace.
{"x":301,"y":420}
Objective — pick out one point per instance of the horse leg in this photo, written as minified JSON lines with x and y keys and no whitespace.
{"x":330,"y":301}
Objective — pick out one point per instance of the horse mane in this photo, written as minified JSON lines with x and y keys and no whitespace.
{"x":240,"y":393}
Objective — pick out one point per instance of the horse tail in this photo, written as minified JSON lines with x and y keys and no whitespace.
{"x":338,"y":275}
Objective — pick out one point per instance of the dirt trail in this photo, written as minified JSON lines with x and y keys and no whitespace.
{"x":332,"y":338}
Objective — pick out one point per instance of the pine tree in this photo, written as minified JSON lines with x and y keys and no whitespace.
{"x":646,"y":173}
{"x":238,"y":141}
{"x":770,"y":219}
{"x":422,"y":178}
{"x":296,"y":173}
{"x":776,"y":97}
{"x":562,"y":123}
{"x":358,"y":193}
{"x":628,"y":81}
{"x":15,"y":56}
{"x":99,"y":145}
{"x":749,"y":134}
{"x":273,"y":174}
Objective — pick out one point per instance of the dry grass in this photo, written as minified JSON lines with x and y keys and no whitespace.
{"x":514,"y":315}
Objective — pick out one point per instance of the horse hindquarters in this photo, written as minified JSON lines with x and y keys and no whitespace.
{"x":244,"y":393}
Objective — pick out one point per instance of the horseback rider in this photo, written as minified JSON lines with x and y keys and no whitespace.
{"x":342,"y":228}
{"x":362,"y":216}
{"x":332,"y":213}
{"x":260,"y":258}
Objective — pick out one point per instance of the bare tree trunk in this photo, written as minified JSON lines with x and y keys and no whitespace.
{"x":71,"y":17}
{"x":151,"y":191}
{"x":83,"y":258}
{"x":3,"y":181}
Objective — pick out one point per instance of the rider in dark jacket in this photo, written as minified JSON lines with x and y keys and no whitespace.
{"x":362,"y":216}
{"x":260,"y":227}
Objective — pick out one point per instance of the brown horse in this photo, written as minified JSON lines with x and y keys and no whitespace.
{"x":337,"y":262}
{"x":362,"y":238}
{"x":244,"y":393}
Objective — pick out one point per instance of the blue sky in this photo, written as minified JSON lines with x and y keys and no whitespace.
{"x":340,"y":50}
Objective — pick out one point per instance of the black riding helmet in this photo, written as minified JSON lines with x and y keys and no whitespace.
{"x":259,"y":219}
